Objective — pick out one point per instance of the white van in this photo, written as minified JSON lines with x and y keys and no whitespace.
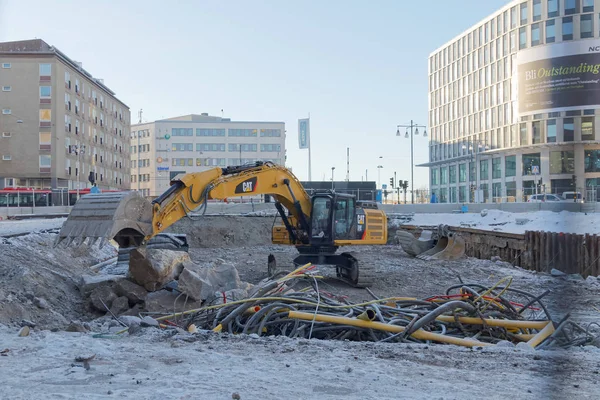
{"x":573,"y":197}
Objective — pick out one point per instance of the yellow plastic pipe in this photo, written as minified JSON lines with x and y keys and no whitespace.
{"x":542,"y":335}
{"x":506,"y":323}
{"x":420,"y":334}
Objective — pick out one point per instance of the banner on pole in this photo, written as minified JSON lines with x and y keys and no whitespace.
{"x":304,"y":133}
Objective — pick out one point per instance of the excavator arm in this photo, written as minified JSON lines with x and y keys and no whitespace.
{"x":192,"y":191}
{"x":130,"y":219}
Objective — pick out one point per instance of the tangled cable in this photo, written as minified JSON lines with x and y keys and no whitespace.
{"x":467,"y":315}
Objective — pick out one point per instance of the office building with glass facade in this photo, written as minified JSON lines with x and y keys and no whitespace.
{"x":514,"y":105}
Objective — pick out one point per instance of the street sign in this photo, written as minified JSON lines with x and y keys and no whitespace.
{"x":535,"y":169}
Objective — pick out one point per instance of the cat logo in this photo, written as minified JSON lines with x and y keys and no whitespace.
{"x":248,"y":186}
{"x":361,"y":219}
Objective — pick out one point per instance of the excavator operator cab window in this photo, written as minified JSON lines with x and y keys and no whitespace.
{"x":343,"y":217}
{"x":320,"y":218}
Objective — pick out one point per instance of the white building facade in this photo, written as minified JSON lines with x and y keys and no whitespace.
{"x":514,"y":105}
{"x":162,"y":149}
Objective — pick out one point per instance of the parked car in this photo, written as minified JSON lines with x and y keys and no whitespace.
{"x":573,"y":197}
{"x":543,"y":198}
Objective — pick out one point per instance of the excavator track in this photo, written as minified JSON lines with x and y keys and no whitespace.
{"x":359,"y":275}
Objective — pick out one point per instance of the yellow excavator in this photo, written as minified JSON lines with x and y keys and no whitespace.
{"x":317,"y":225}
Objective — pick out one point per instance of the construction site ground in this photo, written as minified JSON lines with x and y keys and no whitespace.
{"x":39,"y":286}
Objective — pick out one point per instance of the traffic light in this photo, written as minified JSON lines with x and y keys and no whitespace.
{"x":392,"y":182}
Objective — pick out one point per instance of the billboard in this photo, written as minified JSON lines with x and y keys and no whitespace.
{"x":559,"y":76}
{"x":304,"y":133}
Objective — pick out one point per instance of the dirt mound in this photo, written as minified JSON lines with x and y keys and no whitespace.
{"x":225,"y":231}
{"x":40,"y":283}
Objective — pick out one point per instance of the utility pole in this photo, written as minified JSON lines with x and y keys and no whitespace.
{"x":396,"y":185}
{"x":414,"y":130}
{"x":347,"y":164}
{"x":332,"y":185}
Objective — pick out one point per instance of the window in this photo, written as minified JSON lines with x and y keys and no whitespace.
{"x":68,"y":79}
{"x":452,"y":173}
{"x":537,"y":10}
{"x":484,"y":170}
{"x":210,"y":146}
{"x":242,"y":132}
{"x":472,"y":172}
{"x":553,"y":6}
{"x":567,"y":28}
{"x":592,"y":161}
{"x":535,"y":34}
{"x":182,"y":147}
{"x":435,"y":176}
{"x":6,"y":88}
{"x":462,"y":194}
{"x":210,"y":132}
{"x":550,"y":31}
{"x":243,"y":146}
{"x":571,"y":7}
{"x":45,"y":161}
{"x":587,"y":26}
{"x":496,"y":191}
{"x":6,"y":158}
{"x":462,"y":172}
{"x":45,"y":137}
{"x":182,"y":132}
{"x":551,"y":131}
{"x":529,"y":162}
{"x":6,"y":111}
{"x":45,"y":92}
{"x":587,"y":128}
{"x":523,"y":134}
{"x":6,"y":134}
{"x":496,"y":168}
{"x":562,"y":162}
{"x":588,"y":6}
{"x":453,"y":194}
{"x":523,"y":13}
{"x":45,"y":115}
{"x":182,"y":162}
{"x":444,"y":175}
{"x":270,"y":147}
{"x":568,"y":130}
{"x":536,"y":132}
{"x":522,"y":38}
{"x":45,"y":69}
{"x":270,"y":132}
{"x":510,"y":166}
{"x":6,"y":65}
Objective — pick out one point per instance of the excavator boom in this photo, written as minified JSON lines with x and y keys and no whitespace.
{"x":130,"y":219}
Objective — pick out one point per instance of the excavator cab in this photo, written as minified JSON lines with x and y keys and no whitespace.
{"x":332,"y":218}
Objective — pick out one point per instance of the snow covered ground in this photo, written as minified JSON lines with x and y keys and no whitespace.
{"x":170,"y":365}
{"x":564,"y":221}
{"x":29,"y":225}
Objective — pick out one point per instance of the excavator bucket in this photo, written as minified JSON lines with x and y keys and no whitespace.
{"x":125,"y":217}
{"x":439,"y":246}
{"x":454,"y":249}
{"x":415,"y":246}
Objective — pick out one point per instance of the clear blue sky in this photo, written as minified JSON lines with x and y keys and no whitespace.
{"x":358,"y":67}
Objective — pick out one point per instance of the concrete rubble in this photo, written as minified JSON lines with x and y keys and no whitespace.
{"x":154,"y":268}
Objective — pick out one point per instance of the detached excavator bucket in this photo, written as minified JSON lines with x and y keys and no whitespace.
{"x":454,"y":249}
{"x":125,"y":217}
{"x":439,"y":246}
{"x":413,"y":246}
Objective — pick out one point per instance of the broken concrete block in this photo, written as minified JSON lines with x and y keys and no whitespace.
{"x":192,"y":284}
{"x":75,"y":327}
{"x":556,"y":272}
{"x":24,"y":331}
{"x":149,"y":321}
{"x":130,"y":320}
{"x":88,"y":283}
{"x":134,"y":292}
{"x":102,"y":294}
{"x":224,"y":276}
{"x":163,"y":301}
{"x":153,"y":268}
{"x":41,"y":303}
{"x":119,"y":305}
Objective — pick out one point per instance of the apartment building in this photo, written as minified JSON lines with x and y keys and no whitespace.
{"x":59,"y":125}
{"x":514,"y":104}
{"x":165,"y":148}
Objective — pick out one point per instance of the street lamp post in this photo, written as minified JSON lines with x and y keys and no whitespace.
{"x":79,"y":151}
{"x":414,"y":130}
{"x":379,"y":175}
{"x":332,"y":169}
